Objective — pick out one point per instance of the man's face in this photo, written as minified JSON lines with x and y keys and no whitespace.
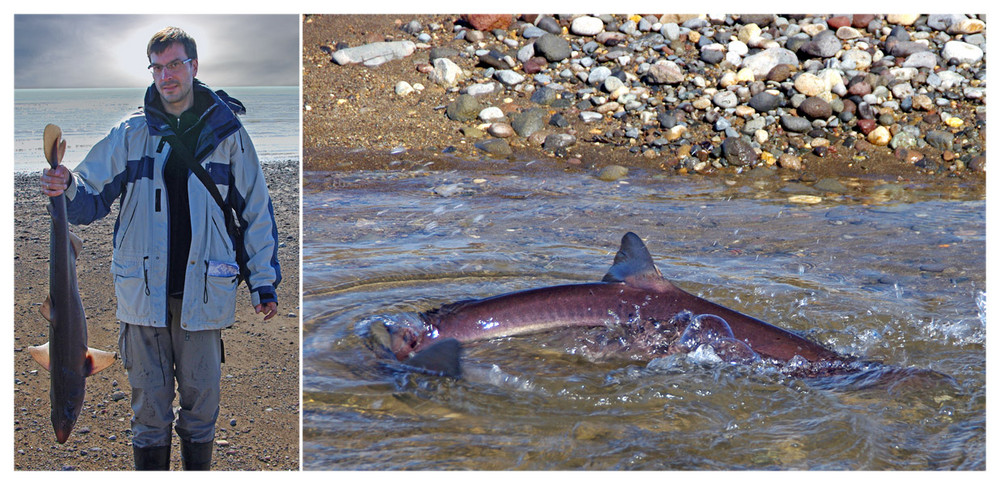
{"x":174,"y":85}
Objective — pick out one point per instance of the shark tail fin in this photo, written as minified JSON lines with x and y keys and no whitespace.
{"x":99,"y":360}
{"x":442,"y":359}
{"x":634,"y":265}
{"x":41,"y":354}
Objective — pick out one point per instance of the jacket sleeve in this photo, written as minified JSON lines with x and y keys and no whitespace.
{"x":252,"y":203}
{"x":98,"y":180}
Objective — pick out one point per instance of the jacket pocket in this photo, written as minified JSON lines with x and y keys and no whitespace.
{"x":131,"y":287}
{"x":219,"y":295}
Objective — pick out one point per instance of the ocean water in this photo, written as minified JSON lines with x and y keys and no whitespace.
{"x":86,"y":116}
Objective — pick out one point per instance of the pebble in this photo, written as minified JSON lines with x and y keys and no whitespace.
{"x":655,"y":82}
{"x":446,"y":73}
{"x":789,"y":161}
{"x":500,"y":130}
{"x":508,"y":77}
{"x":552,"y":47}
{"x":795,"y":124}
{"x":612,"y":173}
{"x":403,"y":88}
{"x":666,"y":72}
{"x":558,"y":141}
{"x":496,"y":147}
{"x":961,"y":52}
{"x":879,"y":136}
{"x":815,"y":108}
{"x":810,"y":84}
{"x":491,"y":114}
{"x":528,"y":122}
{"x":586,"y":25}
{"x":762,"y":62}
{"x":824,"y":44}
{"x":738,"y":152}
{"x":465,"y":108}
{"x":374,"y":54}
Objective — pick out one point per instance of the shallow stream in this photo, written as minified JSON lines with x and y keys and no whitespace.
{"x":893,"y":272}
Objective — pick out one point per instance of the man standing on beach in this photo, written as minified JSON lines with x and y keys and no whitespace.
{"x":174,"y":262}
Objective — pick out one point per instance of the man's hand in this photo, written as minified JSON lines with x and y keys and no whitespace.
{"x":55,"y":181}
{"x":269,"y":309}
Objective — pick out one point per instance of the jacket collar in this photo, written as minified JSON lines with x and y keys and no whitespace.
{"x":220,"y":120}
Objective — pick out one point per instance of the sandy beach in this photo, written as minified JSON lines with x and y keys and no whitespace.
{"x":258,"y":426}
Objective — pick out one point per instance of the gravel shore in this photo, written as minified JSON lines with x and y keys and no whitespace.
{"x":258,"y":427}
{"x":803,"y":97}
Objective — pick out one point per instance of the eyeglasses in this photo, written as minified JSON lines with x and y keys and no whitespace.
{"x":172,"y":66}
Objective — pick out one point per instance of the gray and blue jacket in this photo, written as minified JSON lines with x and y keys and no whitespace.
{"x":128,"y":165}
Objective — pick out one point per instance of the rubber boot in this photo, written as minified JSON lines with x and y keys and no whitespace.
{"x":196,"y":456}
{"x":152,"y":458}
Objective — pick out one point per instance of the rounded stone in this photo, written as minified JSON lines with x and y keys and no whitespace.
{"x":612,"y":173}
{"x":879,"y":136}
{"x":815,"y":108}
{"x":795,"y":124}
{"x":552,"y":47}
{"x":500,"y":130}
{"x":779,"y":73}
{"x":586,"y":25}
{"x":738,"y":152}
{"x":495,"y":147}
{"x":465,"y":108}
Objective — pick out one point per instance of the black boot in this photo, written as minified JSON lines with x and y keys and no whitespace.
{"x":152,"y":458}
{"x":196,"y":456}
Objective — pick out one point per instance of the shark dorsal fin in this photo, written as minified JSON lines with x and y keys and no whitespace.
{"x":634,"y":266}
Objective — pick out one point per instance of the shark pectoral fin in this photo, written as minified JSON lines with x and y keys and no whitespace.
{"x":46,"y":309}
{"x":41,"y":354}
{"x":443,"y":359}
{"x":634,"y":266}
{"x":99,"y":360}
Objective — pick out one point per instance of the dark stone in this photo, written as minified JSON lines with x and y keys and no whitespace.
{"x":738,"y":152}
{"x":465,"y":108}
{"x":779,"y":73}
{"x":795,"y":124}
{"x":815,"y":108}
{"x":552,"y":47}
{"x":824,"y":44}
{"x":544,"y":96}
{"x":764,"y":101}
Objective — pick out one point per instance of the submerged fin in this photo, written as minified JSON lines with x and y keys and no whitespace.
{"x":634,"y":266}
{"x":441,"y":359}
{"x":97,"y":360}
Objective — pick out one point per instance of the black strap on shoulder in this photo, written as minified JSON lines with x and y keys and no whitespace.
{"x":185,"y":156}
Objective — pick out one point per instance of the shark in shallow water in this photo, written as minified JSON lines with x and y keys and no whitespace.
{"x":657,"y":318}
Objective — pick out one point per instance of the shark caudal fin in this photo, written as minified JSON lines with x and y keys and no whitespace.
{"x":634,"y":266}
{"x":97,"y":360}
{"x":441,"y":359}
{"x":46,"y":308}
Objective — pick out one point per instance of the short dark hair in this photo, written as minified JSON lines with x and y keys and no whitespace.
{"x":168,"y":35}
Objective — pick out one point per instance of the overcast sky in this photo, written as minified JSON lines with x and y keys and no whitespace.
{"x":83,"y":51}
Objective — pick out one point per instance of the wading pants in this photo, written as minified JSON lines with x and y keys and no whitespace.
{"x":156,"y":357}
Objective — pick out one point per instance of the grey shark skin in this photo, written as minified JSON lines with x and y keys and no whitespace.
{"x":66,"y":355}
{"x":633,"y":292}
